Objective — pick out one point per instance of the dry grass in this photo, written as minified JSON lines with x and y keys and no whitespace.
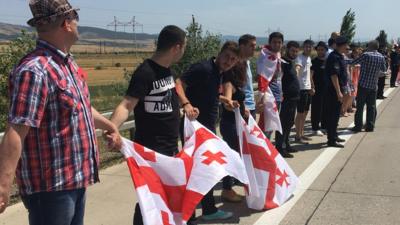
{"x":102,"y":69}
{"x":105,"y":76}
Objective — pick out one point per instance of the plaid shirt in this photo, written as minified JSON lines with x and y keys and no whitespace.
{"x":49,"y":94}
{"x":372,"y":63}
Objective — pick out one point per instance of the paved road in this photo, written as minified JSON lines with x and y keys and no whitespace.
{"x":359,"y":184}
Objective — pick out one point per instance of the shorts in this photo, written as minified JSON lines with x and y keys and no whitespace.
{"x":304,"y":102}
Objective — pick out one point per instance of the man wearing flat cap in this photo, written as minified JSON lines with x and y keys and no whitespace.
{"x":50,"y":141}
{"x":336,"y":79}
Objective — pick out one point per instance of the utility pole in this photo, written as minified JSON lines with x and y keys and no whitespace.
{"x":134,"y":24}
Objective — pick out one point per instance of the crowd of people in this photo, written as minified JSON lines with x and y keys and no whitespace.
{"x":50,"y":141}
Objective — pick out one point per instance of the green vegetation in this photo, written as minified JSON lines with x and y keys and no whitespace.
{"x":199,"y":47}
{"x":348,"y":28}
{"x":11,"y":54}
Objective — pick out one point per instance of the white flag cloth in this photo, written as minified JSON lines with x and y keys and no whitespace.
{"x":169,"y":188}
{"x":268,"y":64}
{"x":271,"y":180}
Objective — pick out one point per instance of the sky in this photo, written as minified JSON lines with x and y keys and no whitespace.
{"x":297,"y":19}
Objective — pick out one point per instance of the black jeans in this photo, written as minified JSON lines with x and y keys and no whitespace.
{"x":365,"y":96}
{"x":333,"y":107}
{"x":287,"y":114}
{"x":316,"y":110}
{"x":381,"y":86}
{"x":56,"y":208}
{"x":393,"y":78}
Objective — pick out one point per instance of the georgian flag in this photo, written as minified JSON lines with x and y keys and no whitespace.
{"x":268,"y":64}
{"x":271,"y":180}
{"x":169,"y":188}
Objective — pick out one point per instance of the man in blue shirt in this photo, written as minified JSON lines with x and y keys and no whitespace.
{"x":247,"y":46}
{"x":372,"y":65}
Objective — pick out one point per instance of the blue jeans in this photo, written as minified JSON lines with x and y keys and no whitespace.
{"x":56,"y":208}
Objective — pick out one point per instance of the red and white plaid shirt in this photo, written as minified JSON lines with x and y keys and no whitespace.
{"x":48,"y":93}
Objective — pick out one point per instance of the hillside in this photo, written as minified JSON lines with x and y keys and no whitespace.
{"x":10,"y":31}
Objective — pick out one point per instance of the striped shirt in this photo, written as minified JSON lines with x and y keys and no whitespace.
{"x":372,"y":63}
{"x":48,"y":93}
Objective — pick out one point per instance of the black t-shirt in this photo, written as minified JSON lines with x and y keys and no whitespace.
{"x":290,"y":82}
{"x":335,"y":65}
{"x":238,"y":95}
{"x":203,"y":81}
{"x":318,"y":66}
{"x":157,"y":112}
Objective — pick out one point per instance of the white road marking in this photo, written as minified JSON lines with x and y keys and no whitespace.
{"x":275,"y":216}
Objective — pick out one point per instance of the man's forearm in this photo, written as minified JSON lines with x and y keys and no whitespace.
{"x":180,"y":91}
{"x":10,"y":152}
{"x":100,"y":122}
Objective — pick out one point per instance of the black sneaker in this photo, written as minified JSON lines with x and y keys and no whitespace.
{"x":335,"y":145}
{"x":291,"y":150}
{"x":286,"y":154}
{"x":369,"y":130}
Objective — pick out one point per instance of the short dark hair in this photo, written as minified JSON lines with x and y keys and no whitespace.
{"x":292,"y":44}
{"x":322,"y":44}
{"x":308,"y":42}
{"x":231,"y":46}
{"x":170,"y":36}
{"x":275,"y":35}
{"x":374,"y":45}
{"x":246,"y":38}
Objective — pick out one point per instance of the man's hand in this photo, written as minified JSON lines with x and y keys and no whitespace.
{"x":4,"y":197}
{"x":340,"y":97}
{"x":232,"y":104}
{"x":113,"y":139}
{"x":191,"y":112}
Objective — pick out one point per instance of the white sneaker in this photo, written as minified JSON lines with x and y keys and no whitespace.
{"x":318,"y":133}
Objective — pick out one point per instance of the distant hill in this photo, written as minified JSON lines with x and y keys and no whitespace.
{"x":92,"y":35}
{"x":10,"y":31}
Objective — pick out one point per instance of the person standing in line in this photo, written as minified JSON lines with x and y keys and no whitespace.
{"x":291,"y":96}
{"x":318,"y":82}
{"x":153,"y":98}
{"x":237,"y":88}
{"x":303,"y":69}
{"x":200,"y":87}
{"x":233,"y":95}
{"x":372,"y":64}
{"x":348,"y":89}
{"x":336,"y":77}
{"x":273,"y":51}
{"x":355,"y":72}
{"x":247,"y":46}
{"x":382,"y":77}
{"x":50,"y":141}
{"x":394,"y":65}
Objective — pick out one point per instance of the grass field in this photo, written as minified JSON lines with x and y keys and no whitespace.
{"x":104,"y":69}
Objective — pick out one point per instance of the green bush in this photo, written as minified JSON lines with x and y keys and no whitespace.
{"x":199,"y":47}
{"x":11,"y":55}
{"x":99,"y":66}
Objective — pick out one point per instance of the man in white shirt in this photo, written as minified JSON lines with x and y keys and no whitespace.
{"x":303,"y":69}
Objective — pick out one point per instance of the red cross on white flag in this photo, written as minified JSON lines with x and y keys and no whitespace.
{"x":271,"y":180}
